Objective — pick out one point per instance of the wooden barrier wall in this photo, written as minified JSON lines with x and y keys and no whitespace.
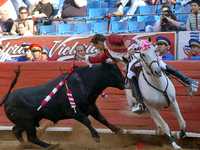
{"x":115,"y":106}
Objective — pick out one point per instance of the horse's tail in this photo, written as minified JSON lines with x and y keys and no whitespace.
{"x":17,"y":73}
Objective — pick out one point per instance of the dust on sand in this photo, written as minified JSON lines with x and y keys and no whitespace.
{"x":80,"y":139}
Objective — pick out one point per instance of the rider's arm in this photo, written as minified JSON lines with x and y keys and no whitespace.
{"x":99,"y":58}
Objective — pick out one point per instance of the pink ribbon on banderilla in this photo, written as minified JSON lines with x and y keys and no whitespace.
{"x":54,"y":91}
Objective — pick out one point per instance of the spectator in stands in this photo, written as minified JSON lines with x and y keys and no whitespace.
{"x":26,"y":55}
{"x":24,"y":25}
{"x":193,"y":21}
{"x":43,"y":9}
{"x":45,"y":56}
{"x":164,"y":46}
{"x":194,"y":49}
{"x":167,"y":22}
{"x":5,"y":23}
{"x":134,"y":5}
{"x":80,"y":50}
{"x":36,"y":51}
{"x":8,"y":5}
{"x":23,"y":3}
{"x":73,"y":8}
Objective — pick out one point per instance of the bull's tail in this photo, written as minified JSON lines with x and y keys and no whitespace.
{"x":17,"y":72}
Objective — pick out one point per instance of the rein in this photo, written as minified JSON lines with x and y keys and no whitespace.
{"x":164,"y":92}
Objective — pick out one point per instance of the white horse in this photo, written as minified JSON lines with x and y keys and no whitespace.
{"x":158,"y":92}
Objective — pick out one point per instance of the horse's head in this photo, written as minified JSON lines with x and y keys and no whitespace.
{"x":150,"y":61}
{"x":113,"y":75}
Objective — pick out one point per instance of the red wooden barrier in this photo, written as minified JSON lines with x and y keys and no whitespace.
{"x":115,"y":107}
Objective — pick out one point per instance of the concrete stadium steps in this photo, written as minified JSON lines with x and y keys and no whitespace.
{"x":114,"y":107}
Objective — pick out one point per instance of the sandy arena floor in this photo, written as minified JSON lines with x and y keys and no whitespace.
{"x":80,"y":139}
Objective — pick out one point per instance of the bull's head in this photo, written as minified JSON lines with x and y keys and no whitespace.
{"x":116,"y":78}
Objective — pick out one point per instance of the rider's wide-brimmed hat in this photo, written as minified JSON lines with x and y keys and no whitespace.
{"x":116,"y":43}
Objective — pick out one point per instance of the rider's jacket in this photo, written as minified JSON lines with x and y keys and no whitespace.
{"x":114,"y":49}
{"x":134,"y":62}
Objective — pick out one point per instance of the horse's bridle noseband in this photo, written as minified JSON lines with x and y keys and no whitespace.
{"x":151,"y":63}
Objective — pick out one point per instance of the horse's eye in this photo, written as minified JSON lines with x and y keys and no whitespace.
{"x":142,"y":55}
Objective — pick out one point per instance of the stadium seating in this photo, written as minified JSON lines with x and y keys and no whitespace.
{"x":82,"y":28}
{"x":96,"y":20}
{"x":100,"y":27}
{"x":47,"y":29}
{"x":119,"y":27}
{"x":65,"y":28}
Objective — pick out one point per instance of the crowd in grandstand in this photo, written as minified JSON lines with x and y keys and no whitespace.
{"x":30,"y":12}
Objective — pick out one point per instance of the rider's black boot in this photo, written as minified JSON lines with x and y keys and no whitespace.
{"x":192,"y":84}
{"x":139,"y":107}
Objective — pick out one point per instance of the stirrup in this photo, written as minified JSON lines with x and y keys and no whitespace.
{"x":193,"y":87}
{"x":138,"y":108}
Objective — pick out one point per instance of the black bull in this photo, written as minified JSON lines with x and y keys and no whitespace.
{"x":86,"y":84}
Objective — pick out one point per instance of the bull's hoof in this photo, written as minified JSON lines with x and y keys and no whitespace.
{"x":52,"y":147}
{"x":118,"y":131}
{"x":96,"y":139}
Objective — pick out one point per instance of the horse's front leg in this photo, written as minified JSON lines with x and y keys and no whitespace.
{"x":96,"y":114}
{"x":176,"y":110}
{"x":155,"y":115}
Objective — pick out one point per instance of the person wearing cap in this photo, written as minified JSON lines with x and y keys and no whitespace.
{"x":110,"y":48}
{"x":193,"y":50}
{"x":161,"y":47}
{"x":25,"y":56}
{"x":193,"y":20}
{"x":194,"y":44}
{"x":36,"y":51}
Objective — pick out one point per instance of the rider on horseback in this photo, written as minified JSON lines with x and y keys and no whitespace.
{"x":110,"y":48}
{"x":162,"y":46}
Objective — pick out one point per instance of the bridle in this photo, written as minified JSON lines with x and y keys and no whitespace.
{"x":164,"y":92}
{"x":150,"y":64}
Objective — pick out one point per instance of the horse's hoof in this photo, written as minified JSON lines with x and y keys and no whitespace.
{"x":175,"y":146}
{"x":52,"y":147}
{"x":124,"y":131}
{"x":181,"y":134}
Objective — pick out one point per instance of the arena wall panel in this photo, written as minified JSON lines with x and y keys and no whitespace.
{"x":114,"y":106}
